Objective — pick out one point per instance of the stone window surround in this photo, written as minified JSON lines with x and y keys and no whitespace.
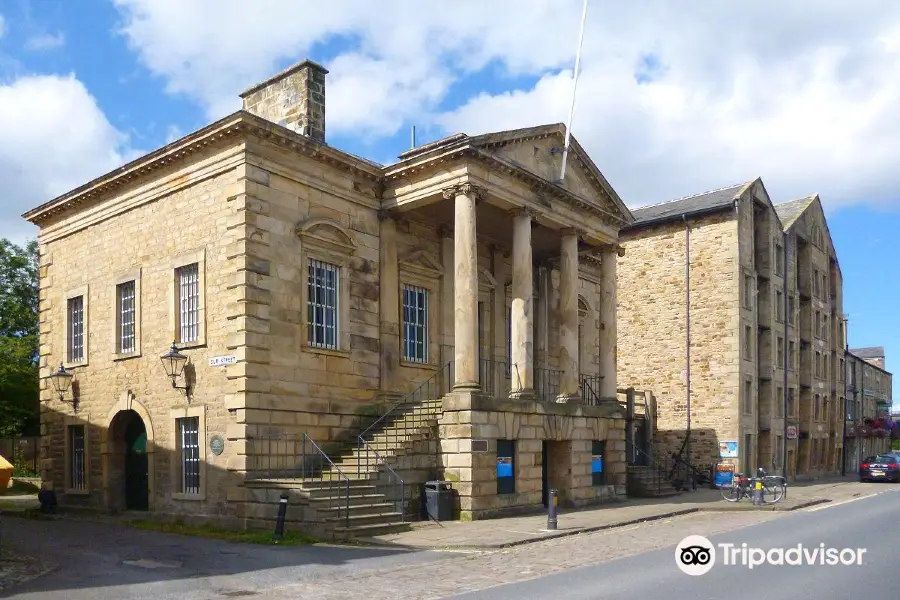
{"x":422,"y":271}
{"x":84,"y":292}
{"x":747,"y":346}
{"x":779,"y":305}
{"x":135,"y":276}
{"x":748,"y":290}
{"x":183,"y":260}
{"x":747,"y":393}
{"x":198,"y":411}
{"x":338,"y":252}
{"x":80,"y":420}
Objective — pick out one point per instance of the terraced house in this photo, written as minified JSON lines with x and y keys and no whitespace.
{"x":869,"y":401}
{"x":740,"y":302}
{"x":343,"y":330}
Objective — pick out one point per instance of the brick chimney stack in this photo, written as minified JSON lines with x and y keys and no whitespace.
{"x":293,"y":98}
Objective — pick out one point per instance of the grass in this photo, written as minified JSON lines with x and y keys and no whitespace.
{"x":291,"y":538}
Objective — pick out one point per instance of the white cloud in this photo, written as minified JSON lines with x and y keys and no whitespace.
{"x":46,"y":41}
{"x":55,"y":138}
{"x":804,"y":98}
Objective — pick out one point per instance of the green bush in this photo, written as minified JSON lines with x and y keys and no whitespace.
{"x":23,"y":468}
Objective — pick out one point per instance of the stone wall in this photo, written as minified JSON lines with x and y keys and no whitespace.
{"x":141,"y":234}
{"x":471,"y":425}
{"x":652,"y":331}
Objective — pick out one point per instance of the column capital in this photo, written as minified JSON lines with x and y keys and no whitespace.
{"x":384,"y":214}
{"x":578,"y":232}
{"x":524,"y":211}
{"x":464,"y":189}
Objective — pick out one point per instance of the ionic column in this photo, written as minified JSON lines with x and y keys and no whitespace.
{"x":568,"y":317}
{"x":608,"y":322}
{"x":522,"y":359}
{"x":465,"y":288}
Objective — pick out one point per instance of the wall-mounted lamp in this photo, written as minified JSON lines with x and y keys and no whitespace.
{"x":174,"y":362}
{"x":62,"y":381}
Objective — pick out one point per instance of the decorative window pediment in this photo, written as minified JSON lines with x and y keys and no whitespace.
{"x":326,"y":234}
{"x":422,"y":263}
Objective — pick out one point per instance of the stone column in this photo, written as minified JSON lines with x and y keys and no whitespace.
{"x":389,"y":303}
{"x":447,"y":318}
{"x":608,"y":322}
{"x":522,"y":326}
{"x":465,"y":288}
{"x":568,"y":317}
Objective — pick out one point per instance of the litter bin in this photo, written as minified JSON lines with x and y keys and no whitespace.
{"x":439,"y":500}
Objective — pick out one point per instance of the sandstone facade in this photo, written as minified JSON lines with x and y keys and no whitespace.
{"x":765,"y":341}
{"x":284,"y":270}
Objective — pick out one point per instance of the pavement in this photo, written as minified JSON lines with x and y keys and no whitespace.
{"x":97,"y":560}
{"x":511,"y":531}
{"x":865,"y":524}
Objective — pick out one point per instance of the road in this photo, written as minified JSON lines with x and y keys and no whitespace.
{"x":106,"y":562}
{"x":869,"y":523}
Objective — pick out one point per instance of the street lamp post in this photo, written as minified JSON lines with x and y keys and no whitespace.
{"x":174,"y":362}
{"x":62,"y":381}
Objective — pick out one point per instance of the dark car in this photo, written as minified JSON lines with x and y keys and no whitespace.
{"x":884,"y":467}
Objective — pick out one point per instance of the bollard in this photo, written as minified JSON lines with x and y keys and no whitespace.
{"x":551,"y":510}
{"x":282,"y":512}
{"x":757,"y":493}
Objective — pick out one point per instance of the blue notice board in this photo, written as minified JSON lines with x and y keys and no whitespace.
{"x":597,"y":463}
{"x":504,"y":466}
{"x":724,"y":475}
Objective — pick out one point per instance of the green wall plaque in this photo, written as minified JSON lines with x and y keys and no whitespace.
{"x":217,"y":444}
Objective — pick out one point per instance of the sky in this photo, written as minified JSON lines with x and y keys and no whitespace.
{"x":673,"y":98}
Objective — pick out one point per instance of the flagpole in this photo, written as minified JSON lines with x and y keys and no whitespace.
{"x":562,"y":172}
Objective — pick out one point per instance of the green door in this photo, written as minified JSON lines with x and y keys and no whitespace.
{"x":137,"y":481}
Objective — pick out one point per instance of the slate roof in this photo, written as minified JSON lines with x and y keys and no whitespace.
{"x":868,"y":353}
{"x":690,"y":206}
{"x":789,"y":211}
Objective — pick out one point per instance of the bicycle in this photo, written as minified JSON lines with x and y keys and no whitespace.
{"x":773,"y":491}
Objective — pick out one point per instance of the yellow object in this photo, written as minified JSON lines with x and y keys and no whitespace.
{"x":759,"y":485}
{"x":555,"y":501}
{"x":6,"y":471}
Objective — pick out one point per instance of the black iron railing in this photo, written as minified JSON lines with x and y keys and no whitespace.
{"x":547,"y":384}
{"x":298,"y":456}
{"x":590,"y":389}
{"x":371,"y":460}
{"x":497,"y":377}
{"x":659,"y":468}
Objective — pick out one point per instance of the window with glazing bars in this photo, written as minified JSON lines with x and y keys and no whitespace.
{"x":125,"y":296}
{"x":188,"y":278}
{"x":76,"y":329}
{"x":322,"y":305}
{"x":77,"y":476}
{"x":189,"y":454}
{"x":415,"y":324}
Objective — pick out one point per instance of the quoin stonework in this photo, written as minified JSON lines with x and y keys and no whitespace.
{"x":755,"y":289}
{"x":348,"y":330}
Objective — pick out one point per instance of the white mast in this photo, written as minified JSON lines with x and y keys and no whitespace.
{"x":562,"y":172}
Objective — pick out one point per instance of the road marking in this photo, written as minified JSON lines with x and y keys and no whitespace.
{"x":833,"y":504}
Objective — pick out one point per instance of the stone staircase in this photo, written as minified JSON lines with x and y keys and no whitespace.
{"x":649,"y":482}
{"x":360,"y":475}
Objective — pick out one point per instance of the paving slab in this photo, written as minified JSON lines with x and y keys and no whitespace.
{"x":512,"y":531}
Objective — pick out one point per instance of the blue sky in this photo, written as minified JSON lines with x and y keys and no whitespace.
{"x":667,"y":106}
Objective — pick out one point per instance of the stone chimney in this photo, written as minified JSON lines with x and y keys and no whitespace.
{"x":294,"y":98}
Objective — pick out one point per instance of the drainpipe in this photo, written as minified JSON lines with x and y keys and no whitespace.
{"x":844,"y":411}
{"x":787,"y":319}
{"x":687,"y":359}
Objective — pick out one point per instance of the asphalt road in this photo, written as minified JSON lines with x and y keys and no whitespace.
{"x":869,"y":523}
{"x":108,"y":562}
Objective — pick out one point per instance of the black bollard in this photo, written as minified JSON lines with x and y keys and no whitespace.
{"x":282,"y":512}
{"x":551,"y":510}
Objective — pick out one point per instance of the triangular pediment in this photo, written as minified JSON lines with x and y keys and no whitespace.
{"x":539,"y":151}
{"x":421,"y":262}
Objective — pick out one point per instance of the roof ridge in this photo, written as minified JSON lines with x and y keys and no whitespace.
{"x":800,"y":199}
{"x":721,"y":189}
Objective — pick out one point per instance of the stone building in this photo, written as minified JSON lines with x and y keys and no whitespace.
{"x":763,"y":316}
{"x":450,"y":316}
{"x":869,"y":402}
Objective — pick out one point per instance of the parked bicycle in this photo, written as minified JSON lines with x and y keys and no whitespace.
{"x":773,"y":487}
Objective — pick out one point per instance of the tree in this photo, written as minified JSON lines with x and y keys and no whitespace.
{"x":19,"y":339}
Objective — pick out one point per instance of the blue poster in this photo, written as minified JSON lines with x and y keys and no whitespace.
{"x":504,"y":466}
{"x":597,"y":463}
{"x":728,"y":449}
{"x":724,"y":475}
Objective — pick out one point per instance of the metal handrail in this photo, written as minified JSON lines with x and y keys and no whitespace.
{"x":334,"y":468}
{"x":405,"y":400}
{"x":589,"y":395}
{"x":661,"y":469}
{"x":381,"y":461}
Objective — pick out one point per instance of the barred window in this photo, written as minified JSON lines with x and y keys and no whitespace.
{"x":322,"y":305}
{"x":188,"y":279}
{"x":189,"y":454}
{"x":415,"y":324}
{"x":75,"y":350}
{"x":77,"y":475}
{"x":125,"y":295}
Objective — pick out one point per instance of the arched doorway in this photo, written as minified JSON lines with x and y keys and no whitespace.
{"x":129,"y":468}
